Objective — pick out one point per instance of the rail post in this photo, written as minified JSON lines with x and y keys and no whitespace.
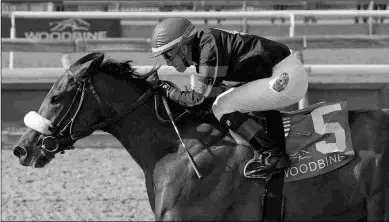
{"x":370,"y":20}
{"x":244,"y":20}
{"x":292,"y":24}
{"x":12,"y":36}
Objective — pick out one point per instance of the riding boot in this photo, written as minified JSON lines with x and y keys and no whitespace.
{"x":271,"y":157}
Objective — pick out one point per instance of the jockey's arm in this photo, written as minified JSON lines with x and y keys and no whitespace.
{"x":203,"y":90}
{"x":210,"y":77}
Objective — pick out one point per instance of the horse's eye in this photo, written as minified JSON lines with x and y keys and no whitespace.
{"x":55,"y":99}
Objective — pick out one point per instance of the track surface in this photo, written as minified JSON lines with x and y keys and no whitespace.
{"x":85,"y":184}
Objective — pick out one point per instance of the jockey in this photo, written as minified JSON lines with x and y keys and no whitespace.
{"x":273,"y":77}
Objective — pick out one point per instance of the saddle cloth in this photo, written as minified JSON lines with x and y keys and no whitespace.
{"x":318,"y":140}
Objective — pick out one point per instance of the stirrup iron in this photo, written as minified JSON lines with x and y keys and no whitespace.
{"x":257,"y":159}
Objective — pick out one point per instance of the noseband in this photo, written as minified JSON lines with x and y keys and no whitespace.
{"x":55,"y":142}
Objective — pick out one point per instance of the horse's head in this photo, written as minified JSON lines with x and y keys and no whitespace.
{"x":72,"y":109}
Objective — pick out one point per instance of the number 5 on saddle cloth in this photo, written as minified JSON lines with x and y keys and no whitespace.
{"x":317,"y":140}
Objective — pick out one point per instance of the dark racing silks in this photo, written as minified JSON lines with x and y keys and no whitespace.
{"x":232,"y":56}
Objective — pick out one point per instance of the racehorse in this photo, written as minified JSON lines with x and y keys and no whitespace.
{"x":112,"y":96}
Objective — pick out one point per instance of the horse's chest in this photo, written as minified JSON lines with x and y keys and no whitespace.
{"x":181,"y":195}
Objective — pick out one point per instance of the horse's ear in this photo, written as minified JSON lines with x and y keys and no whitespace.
{"x":96,"y":63}
{"x":87,"y":64}
{"x":90,"y":66}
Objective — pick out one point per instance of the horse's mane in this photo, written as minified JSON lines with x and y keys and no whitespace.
{"x":122,"y":70}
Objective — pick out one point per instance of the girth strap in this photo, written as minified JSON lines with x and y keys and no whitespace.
{"x":273,"y":199}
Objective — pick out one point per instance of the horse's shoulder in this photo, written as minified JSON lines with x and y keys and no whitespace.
{"x":211,"y":133}
{"x":211,"y":147}
{"x":214,"y":145}
{"x":176,"y":178}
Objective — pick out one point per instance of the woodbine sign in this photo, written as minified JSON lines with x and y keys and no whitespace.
{"x":67,"y":29}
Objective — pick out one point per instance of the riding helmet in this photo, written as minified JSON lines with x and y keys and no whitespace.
{"x":169,"y":33}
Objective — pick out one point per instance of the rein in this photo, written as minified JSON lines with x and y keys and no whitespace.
{"x":115,"y":118}
{"x":160,"y":118}
{"x":52,"y":144}
{"x":54,"y":140}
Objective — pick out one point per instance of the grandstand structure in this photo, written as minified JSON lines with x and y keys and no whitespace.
{"x":194,"y":5}
{"x":182,"y":5}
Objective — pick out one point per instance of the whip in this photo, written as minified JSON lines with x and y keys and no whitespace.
{"x":169,"y":113}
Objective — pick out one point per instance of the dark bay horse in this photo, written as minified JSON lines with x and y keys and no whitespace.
{"x":93,"y":90}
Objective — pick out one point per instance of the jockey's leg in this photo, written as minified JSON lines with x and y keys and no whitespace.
{"x":248,"y":128}
{"x":288,"y":84}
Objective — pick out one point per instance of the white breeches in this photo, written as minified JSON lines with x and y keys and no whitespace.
{"x":268,"y":93}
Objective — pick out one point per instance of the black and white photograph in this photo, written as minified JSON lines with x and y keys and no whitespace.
{"x":201,"y":110}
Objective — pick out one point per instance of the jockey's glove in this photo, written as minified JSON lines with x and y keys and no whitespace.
{"x":172,"y":92}
{"x":164,"y":87}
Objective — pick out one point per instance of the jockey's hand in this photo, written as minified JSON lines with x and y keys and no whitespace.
{"x":163,"y":86}
{"x":200,"y":110}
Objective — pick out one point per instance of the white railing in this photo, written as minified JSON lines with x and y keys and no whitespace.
{"x":347,"y":75}
{"x":318,"y":74}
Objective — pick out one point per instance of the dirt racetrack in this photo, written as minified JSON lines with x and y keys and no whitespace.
{"x":83,"y":184}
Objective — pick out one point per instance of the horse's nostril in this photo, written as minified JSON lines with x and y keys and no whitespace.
{"x":19,"y":151}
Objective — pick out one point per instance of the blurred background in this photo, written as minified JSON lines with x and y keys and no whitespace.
{"x":343,"y":44}
{"x":346,"y":53}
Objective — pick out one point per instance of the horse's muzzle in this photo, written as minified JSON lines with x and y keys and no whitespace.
{"x":19,"y":152}
{"x":22,"y":154}
{"x":41,"y":159}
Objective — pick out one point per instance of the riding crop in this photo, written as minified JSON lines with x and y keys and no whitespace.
{"x":169,"y":113}
{"x":178,"y":134}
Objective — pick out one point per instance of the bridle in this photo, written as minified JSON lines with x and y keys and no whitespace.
{"x":52,"y":144}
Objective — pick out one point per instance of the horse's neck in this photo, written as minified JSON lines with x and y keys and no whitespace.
{"x":139,"y":132}
{"x":148,"y":141}
{"x":143,"y":137}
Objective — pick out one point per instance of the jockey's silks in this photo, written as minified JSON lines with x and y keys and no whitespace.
{"x":232,"y":56}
